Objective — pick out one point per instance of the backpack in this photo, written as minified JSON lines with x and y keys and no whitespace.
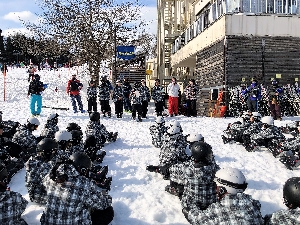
{"x":74,"y":86}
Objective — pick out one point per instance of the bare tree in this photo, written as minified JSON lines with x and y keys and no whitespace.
{"x":89,"y":29}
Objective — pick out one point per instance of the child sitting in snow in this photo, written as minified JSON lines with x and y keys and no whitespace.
{"x":172,"y":151}
{"x":291,"y":196}
{"x":50,"y":127}
{"x":94,"y":127}
{"x":157,"y":131}
{"x":265,"y":136}
{"x":193,"y":180}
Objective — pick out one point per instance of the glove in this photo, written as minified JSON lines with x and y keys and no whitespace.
{"x":185,"y":212}
{"x":164,"y":170}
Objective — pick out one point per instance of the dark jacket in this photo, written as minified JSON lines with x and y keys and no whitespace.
{"x":35,"y":87}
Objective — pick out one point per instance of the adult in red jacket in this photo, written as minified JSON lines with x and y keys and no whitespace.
{"x":73,"y":89}
{"x":173,"y":92}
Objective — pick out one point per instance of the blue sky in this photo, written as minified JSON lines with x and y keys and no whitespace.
{"x":12,"y":10}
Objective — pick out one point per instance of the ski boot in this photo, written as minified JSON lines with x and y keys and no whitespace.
{"x":113,"y":136}
{"x":152,"y":168}
{"x":109,"y":114}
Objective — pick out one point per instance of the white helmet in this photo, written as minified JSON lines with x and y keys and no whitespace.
{"x":175,"y":123}
{"x":194,"y":137}
{"x":232,"y":179}
{"x":63,"y":135}
{"x":34,"y":121}
{"x":256,"y":116}
{"x":159,"y":120}
{"x":268,"y":120}
{"x":173,"y":131}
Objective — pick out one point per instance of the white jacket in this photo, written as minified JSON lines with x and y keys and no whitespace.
{"x":173,"y":89}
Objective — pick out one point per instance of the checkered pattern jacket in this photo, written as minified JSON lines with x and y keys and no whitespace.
{"x":272,"y":132}
{"x":118,"y":93}
{"x":49,"y":129}
{"x":36,"y":170}
{"x":157,"y":131}
{"x":91,"y":92}
{"x":172,"y":150}
{"x":254,"y":128}
{"x":70,"y":202}
{"x":286,"y":217}
{"x":134,"y":99}
{"x":12,"y":205}
{"x":239,"y":209}
{"x":24,"y":137}
{"x":77,"y":148}
{"x":145,"y":93}
{"x":191,"y":92}
{"x":103,"y":92}
{"x":198,"y":181}
{"x":293,"y":144}
{"x":157,"y":94}
{"x":97,"y":129}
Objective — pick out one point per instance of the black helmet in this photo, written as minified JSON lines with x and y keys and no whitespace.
{"x":73,"y":126}
{"x":95,"y":116}
{"x":3,"y":173}
{"x":76,"y":136}
{"x":53,"y":117}
{"x":81,"y":161}
{"x":47,"y":146}
{"x":202,"y":152}
{"x":291,"y":192}
{"x":90,"y":141}
{"x":36,"y":76}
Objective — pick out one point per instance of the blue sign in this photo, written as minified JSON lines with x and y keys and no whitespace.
{"x":125,"y":52}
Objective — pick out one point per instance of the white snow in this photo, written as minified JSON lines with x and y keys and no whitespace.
{"x":138,"y":195}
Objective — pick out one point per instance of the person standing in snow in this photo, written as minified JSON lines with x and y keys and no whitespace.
{"x":118,"y":99}
{"x":104,"y":90}
{"x":36,"y":87}
{"x":126,"y":91}
{"x":73,"y":89}
{"x":254,"y":95}
{"x":145,"y":96}
{"x":173,"y":92}
{"x":91,"y":93}
{"x":191,"y":92}
{"x":158,"y":96}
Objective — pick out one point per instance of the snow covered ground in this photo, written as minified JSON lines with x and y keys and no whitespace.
{"x":138,"y":195}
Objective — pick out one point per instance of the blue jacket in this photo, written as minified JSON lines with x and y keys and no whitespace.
{"x":254,"y":92}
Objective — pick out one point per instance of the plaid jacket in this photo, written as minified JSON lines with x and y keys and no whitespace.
{"x":172,"y":150}
{"x":135,"y":99}
{"x":70,"y":202}
{"x":103,"y":92}
{"x":157,"y":131}
{"x":12,"y":205}
{"x":36,"y":170}
{"x":199,"y":185}
{"x":286,"y":217}
{"x":91,"y":92}
{"x":24,"y":137}
{"x":99,"y":131}
{"x":271,"y":132}
{"x":191,"y":92}
{"x":145,"y":93}
{"x":118,"y":93}
{"x":158,"y":94}
{"x":49,"y":129}
{"x":239,"y":209}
